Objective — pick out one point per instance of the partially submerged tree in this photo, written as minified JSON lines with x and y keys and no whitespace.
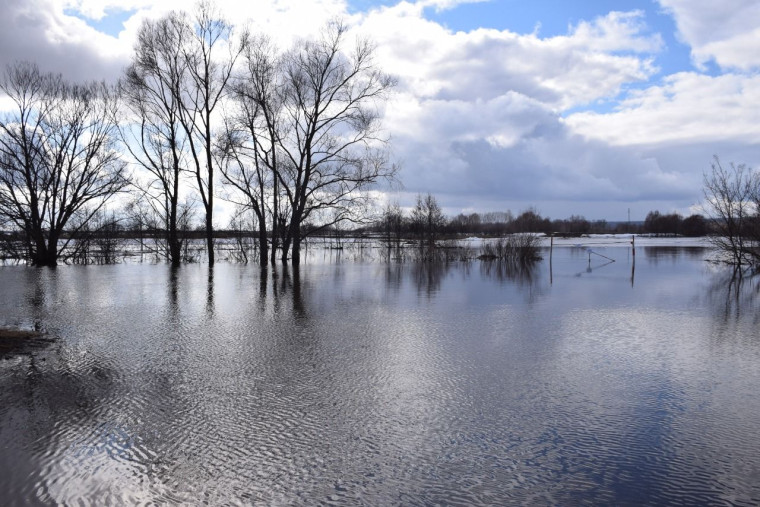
{"x":392,"y":225}
{"x":427,"y":219}
{"x":209,"y":56}
{"x":250,"y":141}
{"x":732,"y":201}
{"x":151,"y":130}
{"x":332,"y":150}
{"x":179,"y":77}
{"x":58,"y":162}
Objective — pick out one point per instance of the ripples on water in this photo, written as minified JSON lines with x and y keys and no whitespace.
{"x":372,"y":383}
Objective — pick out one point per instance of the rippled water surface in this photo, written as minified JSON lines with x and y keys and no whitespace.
{"x":379,"y":383}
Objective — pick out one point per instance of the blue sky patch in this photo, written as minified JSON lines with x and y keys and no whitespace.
{"x":112,"y":23}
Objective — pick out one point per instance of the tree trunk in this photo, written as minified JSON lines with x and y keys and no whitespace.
{"x":46,"y":254}
{"x":175,"y":249}
{"x":209,"y":234}
{"x":45,"y":259}
{"x":209,"y":189}
{"x":263,"y":258}
{"x":275,"y":222}
{"x":285,"y":250}
{"x":296,"y":252}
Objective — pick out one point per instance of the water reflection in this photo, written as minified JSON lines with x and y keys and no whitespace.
{"x":393,"y":274}
{"x":210,"y":293}
{"x":385,"y":383}
{"x":292,"y":282}
{"x":43,"y":282}
{"x":510,"y":272}
{"x":734,"y":296}
{"x":633,"y":270}
{"x":173,"y":289}
{"x":427,"y":276}
{"x":657,"y":254}
{"x":41,"y":393}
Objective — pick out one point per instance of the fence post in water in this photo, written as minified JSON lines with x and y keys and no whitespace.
{"x":633,"y":244}
{"x":551,"y":251}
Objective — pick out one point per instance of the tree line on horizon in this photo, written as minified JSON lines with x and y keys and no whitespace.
{"x":427,"y":218}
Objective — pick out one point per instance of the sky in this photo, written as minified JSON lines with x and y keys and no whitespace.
{"x":592,"y":108}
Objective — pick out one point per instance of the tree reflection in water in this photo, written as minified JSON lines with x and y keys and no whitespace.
{"x":521,"y":273}
{"x":735,"y":296}
{"x":427,"y":276}
{"x":384,"y":382}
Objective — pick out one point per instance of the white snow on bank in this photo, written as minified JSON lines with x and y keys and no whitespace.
{"x":606,"y":240}
{"x":624,"y":240}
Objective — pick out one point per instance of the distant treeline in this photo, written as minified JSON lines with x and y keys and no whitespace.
{"x":426,"y":218}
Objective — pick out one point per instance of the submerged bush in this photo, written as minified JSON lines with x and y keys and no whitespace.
{"x":518,"y":248}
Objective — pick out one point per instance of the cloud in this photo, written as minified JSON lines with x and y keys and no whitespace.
{"x":593,"y":62}
{"x":515,"y":149}
{"x":98,"y":9}
{"x":617,"y":31}
{"x":478,"y":115}
{"x":493,"y":119}
{"x":34,"y":30}
{"x":442,"y":5}
{"x":56,"y":35}
{"x":727,"y":32}
{"x":687,"y":107}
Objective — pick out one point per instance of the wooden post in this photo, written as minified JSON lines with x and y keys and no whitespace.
{"x":551,"y":246}
{"x":551,"y":251}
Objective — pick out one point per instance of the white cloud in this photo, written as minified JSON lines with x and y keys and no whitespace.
{"x":727,"y":32}
{"x":687,"y":107}
{"x":617,"y":31}
{"x":477,"y":115}
{"x":48,"y":32}
{"x":442,"y":5}
{"x":563,"y":72}
{"x":98,"y":9}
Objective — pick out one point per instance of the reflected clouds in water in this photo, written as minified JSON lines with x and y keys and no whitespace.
{"x":384,"y":383}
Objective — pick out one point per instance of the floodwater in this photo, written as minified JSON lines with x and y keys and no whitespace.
{"x":581,"y":381}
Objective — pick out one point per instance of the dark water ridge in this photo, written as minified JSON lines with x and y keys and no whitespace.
{"x":385,"y":383}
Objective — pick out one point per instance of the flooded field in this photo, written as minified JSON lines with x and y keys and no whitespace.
{"x":351,"y":381}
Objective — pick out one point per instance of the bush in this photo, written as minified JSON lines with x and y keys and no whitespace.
{"x":517,"y":248}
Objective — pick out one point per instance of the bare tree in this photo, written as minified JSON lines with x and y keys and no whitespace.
{"x":249,"y":146}
{"x":245,"y":173}
{"x":240,"y":223}
{"x":427,"y":219}
{"x":732,"y":197}
{"x":330,"y":142}
{"x":152,"y":131}
{"x":58,"y":162}
{"x":391,"y":224}
{"x":209,"y":71}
